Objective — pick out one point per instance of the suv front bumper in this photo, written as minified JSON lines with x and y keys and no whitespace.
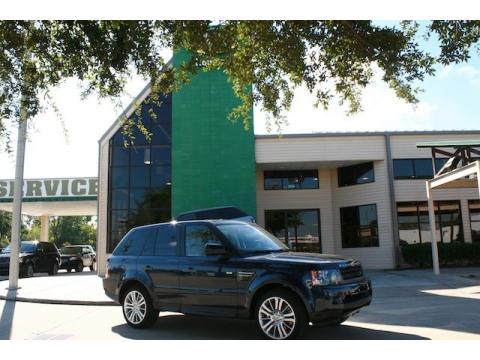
{"x":336,"y":301}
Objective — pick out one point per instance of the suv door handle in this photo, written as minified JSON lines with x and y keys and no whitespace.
{"x":190,"y":270}
{"x":148,"y":267}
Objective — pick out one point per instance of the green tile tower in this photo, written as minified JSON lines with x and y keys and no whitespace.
{"x":213,"y":158}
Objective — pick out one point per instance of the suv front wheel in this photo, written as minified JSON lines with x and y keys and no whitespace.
{"x":280,"y":315}
{"x":138,"y":309}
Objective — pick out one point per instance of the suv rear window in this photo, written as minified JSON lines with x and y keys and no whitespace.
{"x":132,"y":244}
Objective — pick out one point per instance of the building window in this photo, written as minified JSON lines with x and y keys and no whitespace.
{"x":414,"y":225}
{"x":139,"y":190}
{"x":290,"y":180}
{"x":356,"y":174}
{"x":414,"y":169}
{"x":298,"y":229}
{"x":474,"y":209}
{"x":359,"y":226}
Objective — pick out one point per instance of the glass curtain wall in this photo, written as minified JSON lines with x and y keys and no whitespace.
{"x":139,"y":189}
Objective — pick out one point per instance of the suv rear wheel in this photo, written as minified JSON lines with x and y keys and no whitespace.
{"x":53,"y":269}
{"x":280,"y":315}
{"x":137,"y":308}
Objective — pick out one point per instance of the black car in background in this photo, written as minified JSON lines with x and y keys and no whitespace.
{"x":216,"y":213}
{"x":231,"y":269}
{"x":77,"y":257}
{"x":35,"y":257}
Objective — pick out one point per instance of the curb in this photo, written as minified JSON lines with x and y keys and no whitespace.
{"x":61,"y":302}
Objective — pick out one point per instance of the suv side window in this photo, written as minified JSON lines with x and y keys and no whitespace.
{"x":41,"y":248}
{"x":133,"y":243}
{"x":51,"y":248}
{"x":166,"y":241}
{"x":196,"y":237}
{"x":150,"y":238}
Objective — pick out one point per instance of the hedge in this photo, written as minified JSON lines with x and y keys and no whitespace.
{"x":450,"y":254}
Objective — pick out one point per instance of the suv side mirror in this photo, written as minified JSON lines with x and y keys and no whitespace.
{"x":215,"y":249}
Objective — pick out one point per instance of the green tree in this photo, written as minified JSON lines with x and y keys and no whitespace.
{"x":5,"y":228}
{"x":333,"y":58}
{"x":73,"y":230}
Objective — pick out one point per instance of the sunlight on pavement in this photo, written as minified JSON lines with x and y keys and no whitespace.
{"x":470,"y":292}
{"x":431,"y":333}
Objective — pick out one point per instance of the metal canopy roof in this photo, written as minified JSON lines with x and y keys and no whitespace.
{"x":449,"y":143}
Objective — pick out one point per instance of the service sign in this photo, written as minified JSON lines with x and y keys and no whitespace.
{"x":61,"y":189}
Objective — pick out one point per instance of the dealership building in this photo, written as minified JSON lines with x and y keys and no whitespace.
{"x":360,"y":195}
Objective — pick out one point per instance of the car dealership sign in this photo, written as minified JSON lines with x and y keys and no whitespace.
{"x":43,"y":189}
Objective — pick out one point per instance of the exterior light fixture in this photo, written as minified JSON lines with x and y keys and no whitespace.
{"x":146,"y":157}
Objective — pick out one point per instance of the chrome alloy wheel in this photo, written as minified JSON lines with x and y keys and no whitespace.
{"x":276,"y":318}
{"x":135,"y":307}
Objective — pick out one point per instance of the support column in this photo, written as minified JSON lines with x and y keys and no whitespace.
{"x":433,"y":227}
{"x":14,"y":266}
{"x":44,"y":222}
{"x":467,"y":230}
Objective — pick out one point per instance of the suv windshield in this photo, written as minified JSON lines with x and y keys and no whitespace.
{"x":248,"y":238}
{"x":71,"y":250}
{"x":24,"y":248}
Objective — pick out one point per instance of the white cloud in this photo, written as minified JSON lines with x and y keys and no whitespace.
{"x":382,"y":110}
{"x":471,"y":73}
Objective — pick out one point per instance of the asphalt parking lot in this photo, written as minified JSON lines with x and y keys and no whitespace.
{"x":407,"y":305}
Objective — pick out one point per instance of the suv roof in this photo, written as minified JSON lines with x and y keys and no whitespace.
{"x":219,"y":212}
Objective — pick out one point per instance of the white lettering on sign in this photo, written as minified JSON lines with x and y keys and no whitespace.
{"x":52,"y":188}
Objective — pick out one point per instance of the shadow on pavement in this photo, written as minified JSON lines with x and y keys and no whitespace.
{"x":185,"y":327}
{"x":6,"y":317}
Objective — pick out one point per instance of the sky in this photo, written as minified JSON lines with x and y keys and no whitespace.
{"x":450,"y":101}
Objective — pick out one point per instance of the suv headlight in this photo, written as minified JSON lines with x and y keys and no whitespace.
{"x":326,"y":277}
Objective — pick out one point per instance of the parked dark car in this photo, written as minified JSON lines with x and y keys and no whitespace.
{"x":231,"y":269}
{"x":77,"y":257}
{"x":35,"y":257}
{"x":216,"y":213}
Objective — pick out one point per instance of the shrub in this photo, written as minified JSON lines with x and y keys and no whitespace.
{"x":450,"y":254}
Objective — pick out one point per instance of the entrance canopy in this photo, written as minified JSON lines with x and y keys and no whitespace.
{"x":461,"y":170}
{"x":55,"y":197}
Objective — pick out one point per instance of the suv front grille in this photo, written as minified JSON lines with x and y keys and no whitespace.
{"x":352,"y":272}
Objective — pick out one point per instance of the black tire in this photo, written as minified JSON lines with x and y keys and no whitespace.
{"x":53,"y":270}
{"x":69,"y":270}
{"x":282,"y":331}
{"x":92,"y":267}
{"x":150,"y":313}
{"x":79,"y":267}
{"x":27,"y":271}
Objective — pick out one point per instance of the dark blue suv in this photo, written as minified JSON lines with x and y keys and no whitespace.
{"x":231,"y":269}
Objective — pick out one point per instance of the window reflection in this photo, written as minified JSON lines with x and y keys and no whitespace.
{"x":299,"y":229}
{"x":140,"y":174}
{"x":359,"y":226}
{"x":414,"y":224}
{"x":290,"y":180}
{"x":356,"y":174}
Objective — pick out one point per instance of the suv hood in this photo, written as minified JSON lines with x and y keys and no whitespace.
{"x":301,"y":258}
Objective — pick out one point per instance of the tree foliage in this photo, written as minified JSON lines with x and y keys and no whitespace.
{"x":74,"y":230}
{"x":334,"y":59}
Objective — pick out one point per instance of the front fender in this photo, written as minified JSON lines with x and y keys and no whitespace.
{"x":291,"y":281}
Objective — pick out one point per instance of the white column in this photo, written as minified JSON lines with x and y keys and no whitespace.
{"x":478,"y":176}
{"x":467,"y":230}
{"x":44,"y":219}
{"x":431,"y":215}
{"x":17,"y":208}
